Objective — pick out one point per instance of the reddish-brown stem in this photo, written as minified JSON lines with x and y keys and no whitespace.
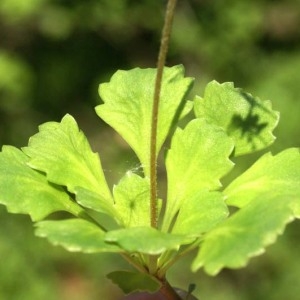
{"x":153,"y":143}
{"x":168,"y":292}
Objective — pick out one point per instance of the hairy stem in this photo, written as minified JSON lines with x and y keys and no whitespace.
{"x":160,"y":67}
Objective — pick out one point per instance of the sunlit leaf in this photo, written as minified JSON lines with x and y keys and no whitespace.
{"x":62,"y":151}
{"x":200,"y":213}
{"x":131,"y":282}
{"x":27,"y":191}
{"x":95,"y":201}
{"x":75,"y":235}
{"x":128,"y":100}
{"x":132,"y":197}
{"x":271,"y":176}
{"x":146,"y":240}
{"x":244,"y":235}
{"x":198,"y":158}
{"x":248,"y":120}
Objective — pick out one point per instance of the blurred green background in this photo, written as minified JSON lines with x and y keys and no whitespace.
{"x":53,"y":55}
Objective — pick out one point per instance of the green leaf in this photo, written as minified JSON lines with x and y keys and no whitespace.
{"x":248,"y":120}
{"x":64,"y":154}
{"x":128,"y":100}
{"x":27,"y":191}
{"x":271,"y":176}
{"x":130,"y":282}
{"x":146,"y":240}
{"x":198,"y":158}
{"x":95,"y":202}
{"x":243,"y":235}
{"x":75,"y":235}
{"x":132,"y":198}
{"x":200,"y":213}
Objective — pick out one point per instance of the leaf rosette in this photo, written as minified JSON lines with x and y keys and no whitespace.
{"x":58,"y":171}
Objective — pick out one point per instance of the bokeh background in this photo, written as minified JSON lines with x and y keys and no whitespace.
{"x":54,"y":54}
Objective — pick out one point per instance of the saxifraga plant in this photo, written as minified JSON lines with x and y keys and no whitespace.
{"x":58,"y":171}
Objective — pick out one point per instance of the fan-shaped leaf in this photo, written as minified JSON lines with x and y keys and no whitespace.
{"x":244,"y":235}
{"x":248,"y":120}
{"x":95,"y":201}
{"x":128,"y":100}
{"x":75,"y":235}
{"x":198,"y":158}
{"x":146,"y":240}
{"x":64,"y":154}
{"x":132,"y":198}
{"x":24,"y":190}
{"x":200,"y":213}
{"x":271,"y":176}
